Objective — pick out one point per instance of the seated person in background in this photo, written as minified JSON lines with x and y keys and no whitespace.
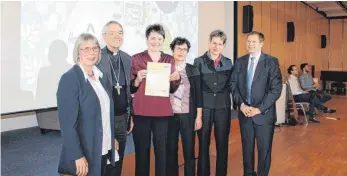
{"x":309,"y":84}
{"x":300,"y":95}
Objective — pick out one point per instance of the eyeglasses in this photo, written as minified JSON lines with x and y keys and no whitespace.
{"x":89,"y":49}
{"x":114,"y":33}
{"x":181,"y":49}
{"x":252,"y":42}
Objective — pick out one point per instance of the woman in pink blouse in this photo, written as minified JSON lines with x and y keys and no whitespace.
{"x":151,"y":113}
{"x":187,"y":106}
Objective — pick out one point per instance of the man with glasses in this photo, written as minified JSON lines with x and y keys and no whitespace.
{"x":116,"y":64}
{"x":256,"y":84}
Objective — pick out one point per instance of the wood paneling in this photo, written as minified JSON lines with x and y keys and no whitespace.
{"x":335,"y":56}
{"x":344,"y":49}
{"x":257,"y":15}
{"x":271,"y":19}
{"x":241,"y":38}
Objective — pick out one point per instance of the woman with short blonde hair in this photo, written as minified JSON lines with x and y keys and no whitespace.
{"x":85,"y":111}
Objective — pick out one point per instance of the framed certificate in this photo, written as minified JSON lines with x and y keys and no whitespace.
{"x":158,"y":79}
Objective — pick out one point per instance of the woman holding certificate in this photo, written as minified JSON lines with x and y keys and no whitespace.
{"x":153,"y":78}
{"x":187,"y":106}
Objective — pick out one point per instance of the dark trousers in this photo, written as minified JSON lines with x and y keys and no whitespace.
{"x":121,"y":124}
{"x":264,"y":136}
{"x":183,"y":124}
{"x":105,"y":171}
{"x":311,"y":98}
{"x":220,"y":119}
{"x":121,"y":136}
{"x":143,"y":127}
{"x":323,"y":97}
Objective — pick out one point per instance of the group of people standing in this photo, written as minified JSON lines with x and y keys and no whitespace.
{"x":101,"y":99}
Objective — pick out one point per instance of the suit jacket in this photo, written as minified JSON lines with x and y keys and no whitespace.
{"x":266,"y":87}
{"x":214,"y":82}
{"x":195,"y":98}
{"x":105,"y":66}
{"x":81,"y":123}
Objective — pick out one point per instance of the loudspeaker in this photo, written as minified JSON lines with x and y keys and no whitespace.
{"x":290,"y":31}
{"x":323,"y":41}
{"x":247,"y":19}
{"x":312,"y":71}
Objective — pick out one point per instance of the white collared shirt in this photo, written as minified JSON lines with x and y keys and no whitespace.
{"x":256,"y":60}
{"x":104,"y":101}
{"x":294,"y":85}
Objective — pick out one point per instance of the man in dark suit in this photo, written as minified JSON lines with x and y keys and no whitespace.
{"x":116,"y":64}
{"x":256,"y":84}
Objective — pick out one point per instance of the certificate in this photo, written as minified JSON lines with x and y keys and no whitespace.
{"x":158,"y":79}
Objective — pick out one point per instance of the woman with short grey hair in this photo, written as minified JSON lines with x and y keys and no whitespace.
{"x":84,"y":109}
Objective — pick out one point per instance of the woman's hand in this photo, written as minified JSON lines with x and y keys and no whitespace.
{"x":116,"y":144}
{"x":81,"y":166}
{"x":198,"y":123}
{"x":140,"y":76}
{"x":131,"y":125}
{"x":174,"y":76}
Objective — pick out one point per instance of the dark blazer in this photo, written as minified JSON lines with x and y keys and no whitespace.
{"x":105,"y":66}
{"x":214,"y":82}
{"x":80,"y":121}
{"x":195,"y":99}
{"x":266,"y":87}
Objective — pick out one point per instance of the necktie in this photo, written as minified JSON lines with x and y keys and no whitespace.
{"x":249,"y":80}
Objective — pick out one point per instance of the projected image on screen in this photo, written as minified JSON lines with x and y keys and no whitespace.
{"x":49,"y":31}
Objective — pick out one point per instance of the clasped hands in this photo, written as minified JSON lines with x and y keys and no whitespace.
{"x":249,"y":111}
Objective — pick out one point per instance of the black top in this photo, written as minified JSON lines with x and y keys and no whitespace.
{"x":214,"y":81}
{"x":120,"y":100}
{"x":195,"y":99}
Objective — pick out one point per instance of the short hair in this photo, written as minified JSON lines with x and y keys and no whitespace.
{"x":219,"y":33}
{"x":260,"y":35}
{"x":179,"y":41}
{"x":104,"y":29}
{"x":290,"y":69}
{"x":155,"y":28}
{"x":84,"y":37}
{"x":303,"y":65}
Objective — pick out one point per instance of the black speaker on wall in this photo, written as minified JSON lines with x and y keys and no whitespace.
{"x":247,"y":19}
{"x":323,"y":41}
{"x":290,"y":31}
{"x":312,"y":71}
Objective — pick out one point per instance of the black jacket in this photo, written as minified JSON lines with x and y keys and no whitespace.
{"x":214,"y":82}
{"x":195,"y":100}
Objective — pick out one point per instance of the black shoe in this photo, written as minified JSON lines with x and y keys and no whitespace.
{"x":314,"y":120}
{"x":329,"y":111}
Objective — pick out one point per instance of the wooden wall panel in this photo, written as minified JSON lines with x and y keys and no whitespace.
{"x":281,"y":28}
{"x":335,"y":57}
{"x":257,"y":15}
{"x":325,"y":51}
{"x":266,"y":25}
{"x":241,"y":37}
{"x":344,"y":49}
{"x":274,"y":36}
{"x":271,"y":19}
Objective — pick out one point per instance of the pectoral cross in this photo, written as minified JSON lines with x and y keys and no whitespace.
{"x":118,"y":88}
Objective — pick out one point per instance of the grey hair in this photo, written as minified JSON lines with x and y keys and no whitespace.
{"x":104,"y":29}
{"x":219,"y":33}
{"x":84,"y":37}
